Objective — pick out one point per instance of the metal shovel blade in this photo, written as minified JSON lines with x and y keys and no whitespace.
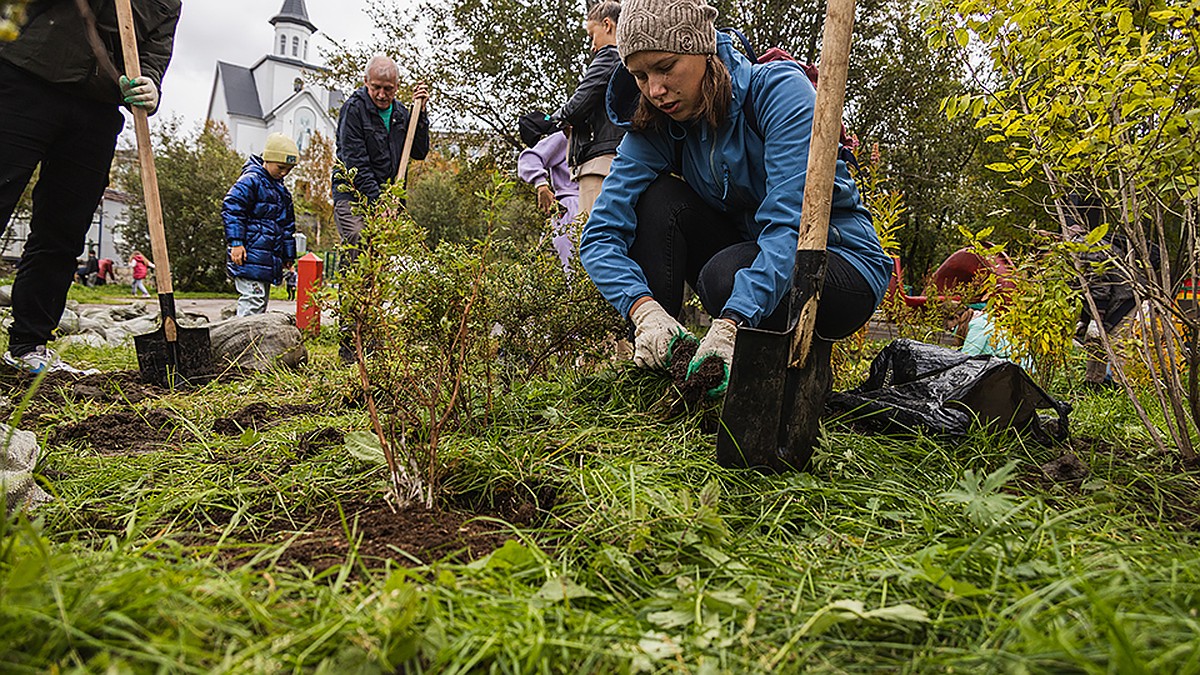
{"x":185,"y":362}
{"x":771,"y":420}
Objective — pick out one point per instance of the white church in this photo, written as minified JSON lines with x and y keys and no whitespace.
{"x":276,"y":95}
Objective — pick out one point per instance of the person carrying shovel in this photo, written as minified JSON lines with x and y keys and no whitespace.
{"x":60,"y":108}
{"x":738,"y":134}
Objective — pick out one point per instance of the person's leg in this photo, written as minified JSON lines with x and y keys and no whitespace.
{"x":677,"y":233}
{"x":74,"y":174}
{"x":25,"y":135}
{"x":846,"y":303}
{"x":349,"y":227}
{"x":590,"y":177}
{"x":252,"y":296}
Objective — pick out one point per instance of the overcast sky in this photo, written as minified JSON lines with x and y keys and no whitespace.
{"x":237,"y":31}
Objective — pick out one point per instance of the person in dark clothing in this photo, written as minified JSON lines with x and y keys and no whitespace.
{"x":594,"y":138}
{"x":370,"y":139}
{"x":84,"y":274}
{"x":59,"y":107}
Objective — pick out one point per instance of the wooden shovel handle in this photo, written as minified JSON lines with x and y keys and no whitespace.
{"x":408,"y":139}
{"x":822,"y":156}
{"x":141,"y":127}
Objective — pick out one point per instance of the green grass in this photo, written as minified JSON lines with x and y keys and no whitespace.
{"x":893,"y":554}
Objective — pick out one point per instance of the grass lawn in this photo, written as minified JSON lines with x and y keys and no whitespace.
{"x":579,"y":533}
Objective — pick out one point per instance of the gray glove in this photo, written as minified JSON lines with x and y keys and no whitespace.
{"x":140,"y":92}
{"x":654,"y":332}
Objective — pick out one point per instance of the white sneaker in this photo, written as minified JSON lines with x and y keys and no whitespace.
{"x":42,"y":359}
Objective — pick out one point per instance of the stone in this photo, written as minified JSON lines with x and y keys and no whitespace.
{"x":258,"y":342}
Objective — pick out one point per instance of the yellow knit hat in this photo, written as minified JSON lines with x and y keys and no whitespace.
{"x":281,"y":150}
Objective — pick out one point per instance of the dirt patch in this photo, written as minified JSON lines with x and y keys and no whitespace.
{"x":260,"y":416}
{"x":412,"y":537}
{"x":312,"y":443}
{"x":125,"y":432}
{"x":463,"y":531}
{"x":1066,"y":469}
{"x":121,"y":386}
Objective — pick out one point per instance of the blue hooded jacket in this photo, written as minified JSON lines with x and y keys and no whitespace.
{"x":258,"y":214}
{"x":755,"y":174}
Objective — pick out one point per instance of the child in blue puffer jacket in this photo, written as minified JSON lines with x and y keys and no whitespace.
{"x":260,"y":223}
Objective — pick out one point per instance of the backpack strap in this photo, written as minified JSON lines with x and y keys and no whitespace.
{"x":741,"y":37}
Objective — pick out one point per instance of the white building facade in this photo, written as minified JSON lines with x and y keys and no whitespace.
{"x":276,"y":94}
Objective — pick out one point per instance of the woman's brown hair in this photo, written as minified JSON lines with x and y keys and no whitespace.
{"x":716,"y":94}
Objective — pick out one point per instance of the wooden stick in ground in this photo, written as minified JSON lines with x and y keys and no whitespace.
{"x":408,"y":139}
{"x":141,"y":127}
{"x":822,"y":156}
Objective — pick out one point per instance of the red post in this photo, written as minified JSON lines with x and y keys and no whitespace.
{"x":309,"y":269}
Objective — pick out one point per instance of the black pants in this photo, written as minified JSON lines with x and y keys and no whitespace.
{"x":73,"y":139}
{"x":682,"y":239}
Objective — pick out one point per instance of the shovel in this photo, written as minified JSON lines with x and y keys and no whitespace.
{"x":172,"y":355}
{"x":778,"y":381}
{"x":411,"y":133}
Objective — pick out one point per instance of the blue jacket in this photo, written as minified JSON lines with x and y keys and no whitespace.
{"x":755,"y":174}
{"x":366,"y":144}
{"x":258,"y":214}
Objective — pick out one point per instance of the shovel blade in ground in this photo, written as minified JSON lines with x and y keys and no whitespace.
{"x":185,"y":361}
{"x":771,"y":420}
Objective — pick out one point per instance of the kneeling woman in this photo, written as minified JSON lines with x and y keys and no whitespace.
{"x":737,"y":133}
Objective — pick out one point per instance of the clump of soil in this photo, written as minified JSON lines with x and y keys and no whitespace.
{"x":693,"y":390}
{"x":125,"y":432}
{"x":260,"y":416}
{"x":312,"y":443}
{"x":1066,"y":469}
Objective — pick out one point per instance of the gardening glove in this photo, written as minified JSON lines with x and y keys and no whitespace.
{"x":141,"y":92}
{"x":655,"y":333}
{"x":717,"y":346}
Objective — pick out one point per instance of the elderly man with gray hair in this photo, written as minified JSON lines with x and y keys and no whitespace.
{"x":370,"y":140}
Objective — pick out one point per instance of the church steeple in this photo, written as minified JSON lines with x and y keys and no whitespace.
{"x":292,"y":30}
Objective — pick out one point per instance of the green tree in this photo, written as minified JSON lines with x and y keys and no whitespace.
{"x":310,"y":185}
{"x":194,"y":173}
{"x":1102,"y":100}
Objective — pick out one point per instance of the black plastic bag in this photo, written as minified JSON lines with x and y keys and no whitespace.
{"x":917,"y":385}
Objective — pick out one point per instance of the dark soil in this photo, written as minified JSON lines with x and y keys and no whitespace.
{"x":260,"y":416}
{"x":415,"y":536}
{"x":1066,"y":469}
{"x":121,"y":386}
{"x":125,"y":432}
{"x":312,"y":443}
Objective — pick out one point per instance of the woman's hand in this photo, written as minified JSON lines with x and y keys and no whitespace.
{"x":654,"y":332}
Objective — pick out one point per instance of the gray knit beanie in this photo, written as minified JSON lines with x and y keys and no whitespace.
{"x":678,"y":26}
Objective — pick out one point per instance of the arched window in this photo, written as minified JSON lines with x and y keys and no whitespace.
{"x":283,"y":45}
{"x":295,"y":46}
{"x":306,"y":50}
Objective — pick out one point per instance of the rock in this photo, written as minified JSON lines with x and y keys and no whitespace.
{"x":128,"y":311}
{"x":6,"y":296}
{"x":258,"y":342}
{"x":88,"y":339}
{"x":228,"y":311}
{"x":69,"y":323}
{"x":16,"y":470}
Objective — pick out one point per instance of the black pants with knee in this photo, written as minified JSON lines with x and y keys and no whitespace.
{"x":73,"y":138}
{"x":681,"y":239}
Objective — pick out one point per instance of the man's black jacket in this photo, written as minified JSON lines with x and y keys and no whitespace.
{"x":592,"y":134}
{"x":52,"y":44}
{"x":365,"y":144}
